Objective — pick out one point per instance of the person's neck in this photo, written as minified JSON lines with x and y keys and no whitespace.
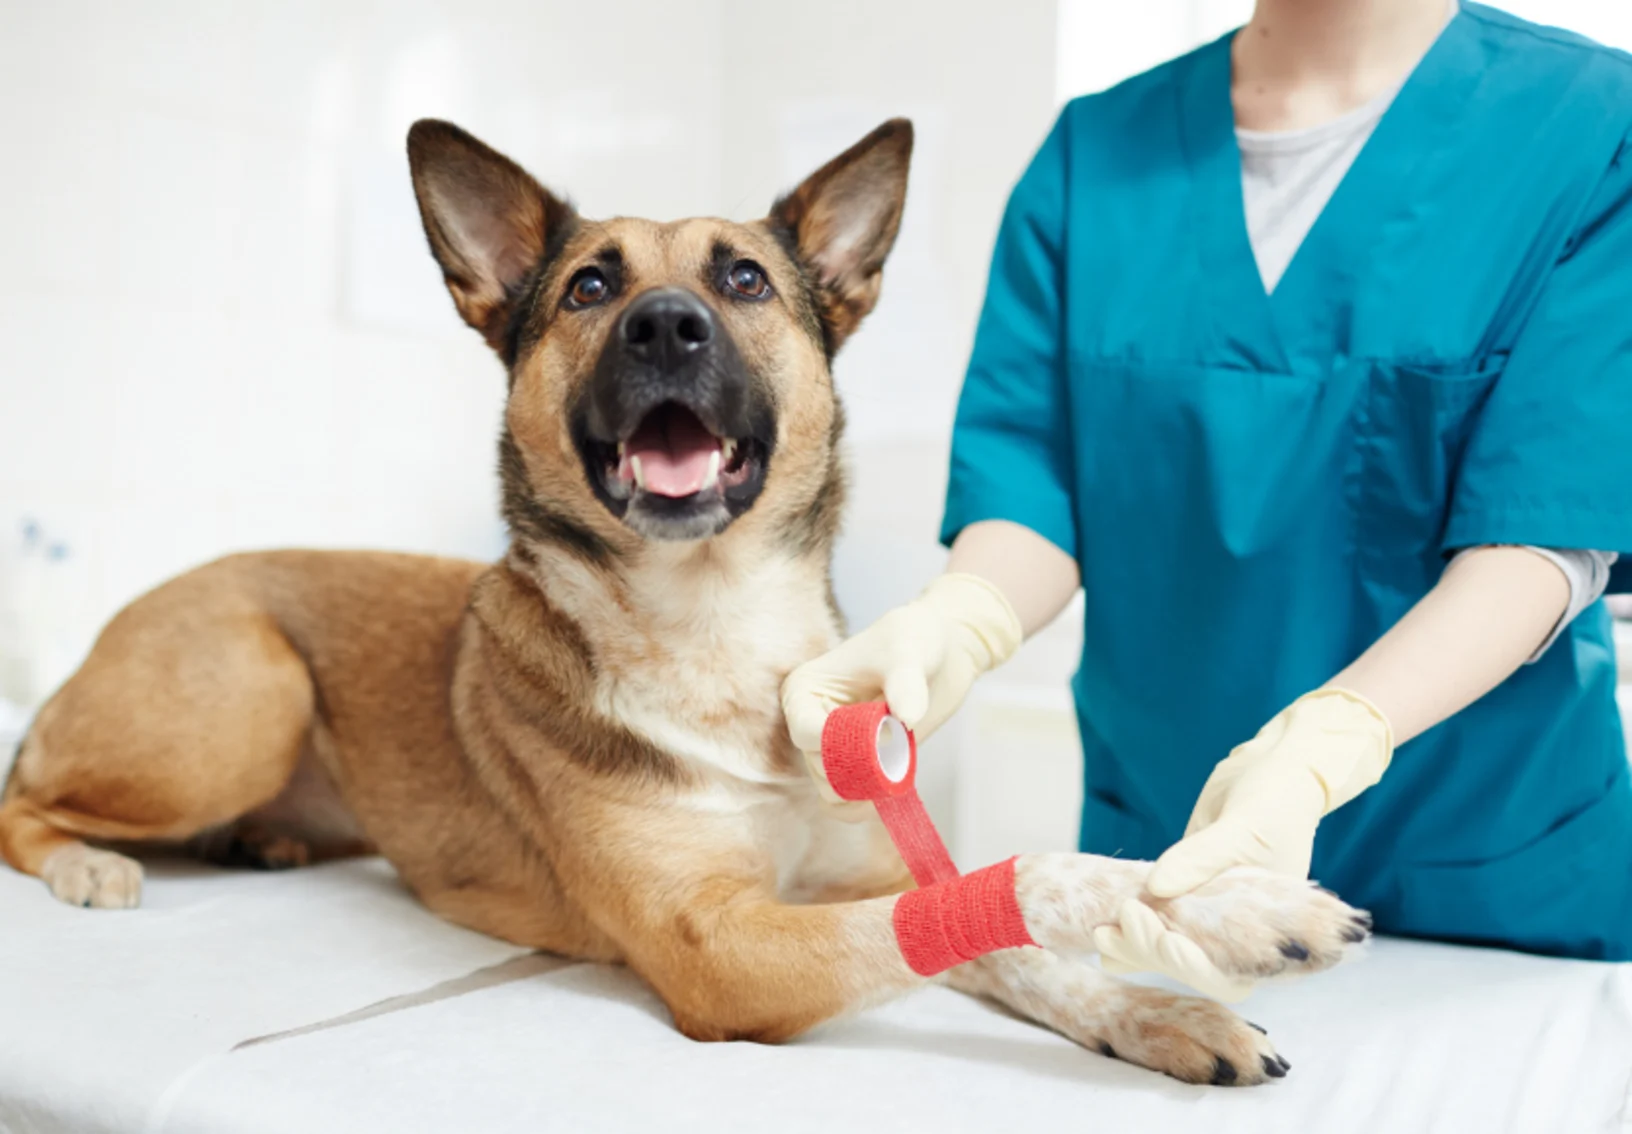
{"x":1299,"y":63}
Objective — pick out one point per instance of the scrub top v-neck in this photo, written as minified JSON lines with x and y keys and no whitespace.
{"x":1256,"y":486}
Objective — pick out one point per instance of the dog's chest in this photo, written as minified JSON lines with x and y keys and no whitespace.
{"x":699,"y":671}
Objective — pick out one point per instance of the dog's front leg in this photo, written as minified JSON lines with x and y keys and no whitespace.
{"x":1249,"y":923}
{"x":732,"y":962}
{"x":1187,"y":1037}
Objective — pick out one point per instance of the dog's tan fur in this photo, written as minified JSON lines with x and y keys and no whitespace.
{"x":580,"y":748}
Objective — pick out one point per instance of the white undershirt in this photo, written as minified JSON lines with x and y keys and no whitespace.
{"x":1287,"y":177}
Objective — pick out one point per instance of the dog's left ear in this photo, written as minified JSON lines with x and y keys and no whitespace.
{"x":843,"y":221}
{"x":487,"y":220}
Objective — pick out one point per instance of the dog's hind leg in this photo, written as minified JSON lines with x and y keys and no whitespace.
{"x":191,"y":711}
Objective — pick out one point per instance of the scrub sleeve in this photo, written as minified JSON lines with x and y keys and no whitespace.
{"x":1011,"y":441}
{"x":1550,"y":459}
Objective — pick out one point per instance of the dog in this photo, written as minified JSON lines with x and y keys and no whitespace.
{"x":580,"y":748}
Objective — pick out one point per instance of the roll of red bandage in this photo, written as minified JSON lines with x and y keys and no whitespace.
{"x":869,"y":755}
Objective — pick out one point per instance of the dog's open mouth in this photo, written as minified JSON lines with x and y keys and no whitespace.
{"x":672,"y":454}
{"x":673,"y":477}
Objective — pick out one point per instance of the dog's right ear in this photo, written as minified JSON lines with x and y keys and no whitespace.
{"x":487,"y":220}
{"x":842,"y":222}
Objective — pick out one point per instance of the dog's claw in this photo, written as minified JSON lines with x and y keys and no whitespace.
{"x":1294,"y":951}
{"x":1273,"y":1068}
{"x":1224,"y":1072}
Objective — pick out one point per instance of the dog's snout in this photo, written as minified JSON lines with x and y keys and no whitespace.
{"x":666,"y":327}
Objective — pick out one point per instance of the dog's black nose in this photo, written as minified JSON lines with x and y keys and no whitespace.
{"x":666,"y":326}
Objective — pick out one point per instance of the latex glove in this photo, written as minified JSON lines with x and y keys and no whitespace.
{"x":921,"y":658}
{"x":1141,"y":943}
{"x":1261,"y":805}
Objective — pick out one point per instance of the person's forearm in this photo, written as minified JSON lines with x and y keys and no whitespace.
{"x":1036,"y":577}
{"x":1483,"y":620}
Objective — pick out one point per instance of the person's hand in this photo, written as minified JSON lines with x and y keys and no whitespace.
{"x":1140,"y":943}
{"x":921,"y":658}
{"x":1260,"y":807}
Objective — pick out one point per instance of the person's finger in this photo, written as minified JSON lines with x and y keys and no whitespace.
{"x":1129,"y":946}
{"x":813,"y":764}
{"x":906,"y":690}
{"x":1184,"y":960}
{"x":1114,"y":956}
{"x":1139,"y":942}
{"x":806,"y":716}
{"x":1199,"y":858}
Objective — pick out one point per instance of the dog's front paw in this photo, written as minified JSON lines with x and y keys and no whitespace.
{"x":96,"y":879}
{"x":1252,"y":923}
{"x":1191,"y":1039}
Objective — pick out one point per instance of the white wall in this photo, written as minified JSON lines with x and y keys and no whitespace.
{"x":219,"y":327}
{"x":1099,"y":44}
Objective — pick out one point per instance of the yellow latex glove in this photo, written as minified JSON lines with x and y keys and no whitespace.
{"x":1260,"y":807}
{"x":921,"y":658}
{"x":1141,"y":943}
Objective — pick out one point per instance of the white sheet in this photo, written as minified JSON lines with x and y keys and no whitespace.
{"x":238,"y":1002}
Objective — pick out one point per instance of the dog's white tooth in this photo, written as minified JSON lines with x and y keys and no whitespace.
{"x":728,"y":448}
{"x":713,"y":476}
{"x":640,"y":477}
{"x":623,"y":447}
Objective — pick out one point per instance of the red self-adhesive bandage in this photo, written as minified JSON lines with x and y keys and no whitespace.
{"x":869,"y":755}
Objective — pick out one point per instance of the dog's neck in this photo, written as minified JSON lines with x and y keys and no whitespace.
{"x":689,"y":642}
{"x":688,"y":588}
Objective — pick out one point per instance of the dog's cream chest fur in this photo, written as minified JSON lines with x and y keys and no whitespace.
{"x":691,"y":648}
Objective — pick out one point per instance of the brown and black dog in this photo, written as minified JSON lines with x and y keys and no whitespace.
{"x":581,"y":747}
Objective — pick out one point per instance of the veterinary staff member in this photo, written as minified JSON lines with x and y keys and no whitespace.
{"x":1309,"y":355}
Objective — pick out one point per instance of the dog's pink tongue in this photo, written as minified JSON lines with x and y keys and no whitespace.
{"x":674,"y":451}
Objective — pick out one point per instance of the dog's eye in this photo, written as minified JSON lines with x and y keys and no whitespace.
{"x":588,"y":288}
{"x":747,"y":279}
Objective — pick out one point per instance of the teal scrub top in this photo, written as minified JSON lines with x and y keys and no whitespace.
{"x":1257,"y":487}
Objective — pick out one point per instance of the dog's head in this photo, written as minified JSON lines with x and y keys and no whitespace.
{"x":666,"y":379}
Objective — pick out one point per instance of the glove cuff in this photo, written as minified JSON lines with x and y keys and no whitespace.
{"x":1347,"y":770}
{"x":976,"y":606}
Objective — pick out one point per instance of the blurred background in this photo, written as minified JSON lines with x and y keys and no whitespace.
{"x":220,"y":328}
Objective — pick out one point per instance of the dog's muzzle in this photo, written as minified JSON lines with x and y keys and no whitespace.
{"x":674,"y":433}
